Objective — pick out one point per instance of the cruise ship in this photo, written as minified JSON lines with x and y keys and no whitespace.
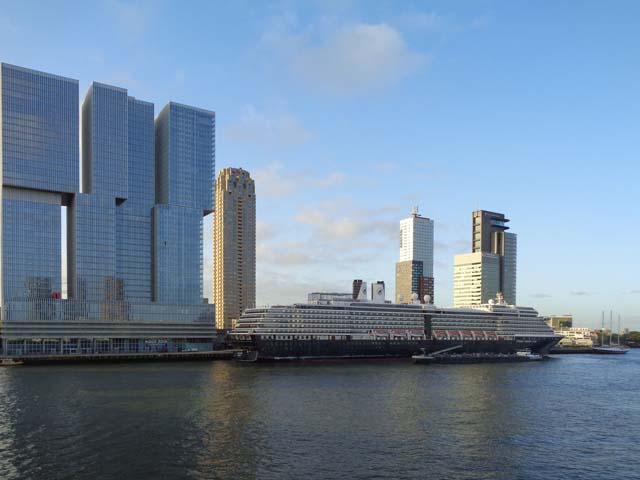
{"x":334,"y":326}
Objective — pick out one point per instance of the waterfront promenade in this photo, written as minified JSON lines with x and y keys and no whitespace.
{"x":126,"y":357}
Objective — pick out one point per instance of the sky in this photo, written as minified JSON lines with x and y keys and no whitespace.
{"x":348,"y":114}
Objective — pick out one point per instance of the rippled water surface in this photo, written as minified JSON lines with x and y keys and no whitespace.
{"x":574,"y":416}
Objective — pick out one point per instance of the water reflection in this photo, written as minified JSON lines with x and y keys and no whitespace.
{"x":355,"y":420}
{"x":7,"y":427}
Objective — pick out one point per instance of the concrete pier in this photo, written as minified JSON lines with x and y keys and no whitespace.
{"x":127,"y":357}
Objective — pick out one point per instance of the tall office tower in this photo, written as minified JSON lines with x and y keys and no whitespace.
{"x":39,"y":154}
{"x":414,"y":271}
{"x":105,"y":141}
{"x":234,"y":246}
{"x":476,"y":278}
{"x":91,"y":225}
{"x":133,"y":217}
{"x":489,"y":235}
{"x":185,"y":165}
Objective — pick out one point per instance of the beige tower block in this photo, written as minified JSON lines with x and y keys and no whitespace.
{"x":234,"y":246}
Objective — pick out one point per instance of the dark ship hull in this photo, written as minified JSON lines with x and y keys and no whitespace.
{"x":275,"y":349}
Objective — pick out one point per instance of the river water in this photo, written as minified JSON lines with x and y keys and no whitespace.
{"x":572,"y":416}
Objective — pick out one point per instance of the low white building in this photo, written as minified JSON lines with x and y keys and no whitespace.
{"x":575,"y":337}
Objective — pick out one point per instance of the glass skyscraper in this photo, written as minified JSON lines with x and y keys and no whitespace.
{"x":185,"y":157}
{"x":185,"y":164}
{"x":31,"y":244}
{"x":134,"y":228}
{"x":105,"y":141}
{"x":39,"y":149}
{"x":133,"y":217}
{"x":91,"y":247}
{"x":177,"y":233}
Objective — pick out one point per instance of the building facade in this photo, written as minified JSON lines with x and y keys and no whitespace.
{"x":39,"y":150}
{"x":560,"y":322}
{"x":234,"y":251}
{"x":476,"y":278}
{"x":414,"y":271}
{"x":117,"y":253}
{"x":134,"y":216}
{"x":489,"y":235}
{"x":185,"y":165}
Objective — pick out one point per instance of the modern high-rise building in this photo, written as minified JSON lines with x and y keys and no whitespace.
{"x":489,"y":234}
{"x":185,"y":166}
{"x":414,"y":271}
{"x":234,"y":251}
{"x":134,"y":219}
{"x":39,"y":149}
{"x":491,"y":267}
{"x":476,"y":278}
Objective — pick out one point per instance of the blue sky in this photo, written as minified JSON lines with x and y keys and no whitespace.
{"x":350,"y":113}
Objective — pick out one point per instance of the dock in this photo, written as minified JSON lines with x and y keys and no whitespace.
{"x":127,"y":357}
{"x":570,"y":350}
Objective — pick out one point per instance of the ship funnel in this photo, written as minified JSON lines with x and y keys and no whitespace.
{"x":377,"y":292}
{"x":362,"y":294}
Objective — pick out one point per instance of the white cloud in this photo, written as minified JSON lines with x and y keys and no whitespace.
{"x":323,"y":237}
{"x":540,"y":295}
{"x":273,"y":130}
{"x":265,"y":231}
{"x":581,"y":293}
{"x":333,"y":242}
{"x":358,"y":228}
{"x":273,"y":181}
{"x":347,"y":59}
{"x":277,"y":181}
{"x":356,"y":58}
{"x":285,"y":254}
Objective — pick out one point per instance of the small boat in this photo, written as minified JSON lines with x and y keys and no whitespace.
{"x":422,"y":358}
{"x":10,"y":362}
{"x":246,"y":356}
{"x":527,"y":355}
{"x":611,"y":349}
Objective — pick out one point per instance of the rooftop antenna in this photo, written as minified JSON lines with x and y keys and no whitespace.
{"x":415,"y":210}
